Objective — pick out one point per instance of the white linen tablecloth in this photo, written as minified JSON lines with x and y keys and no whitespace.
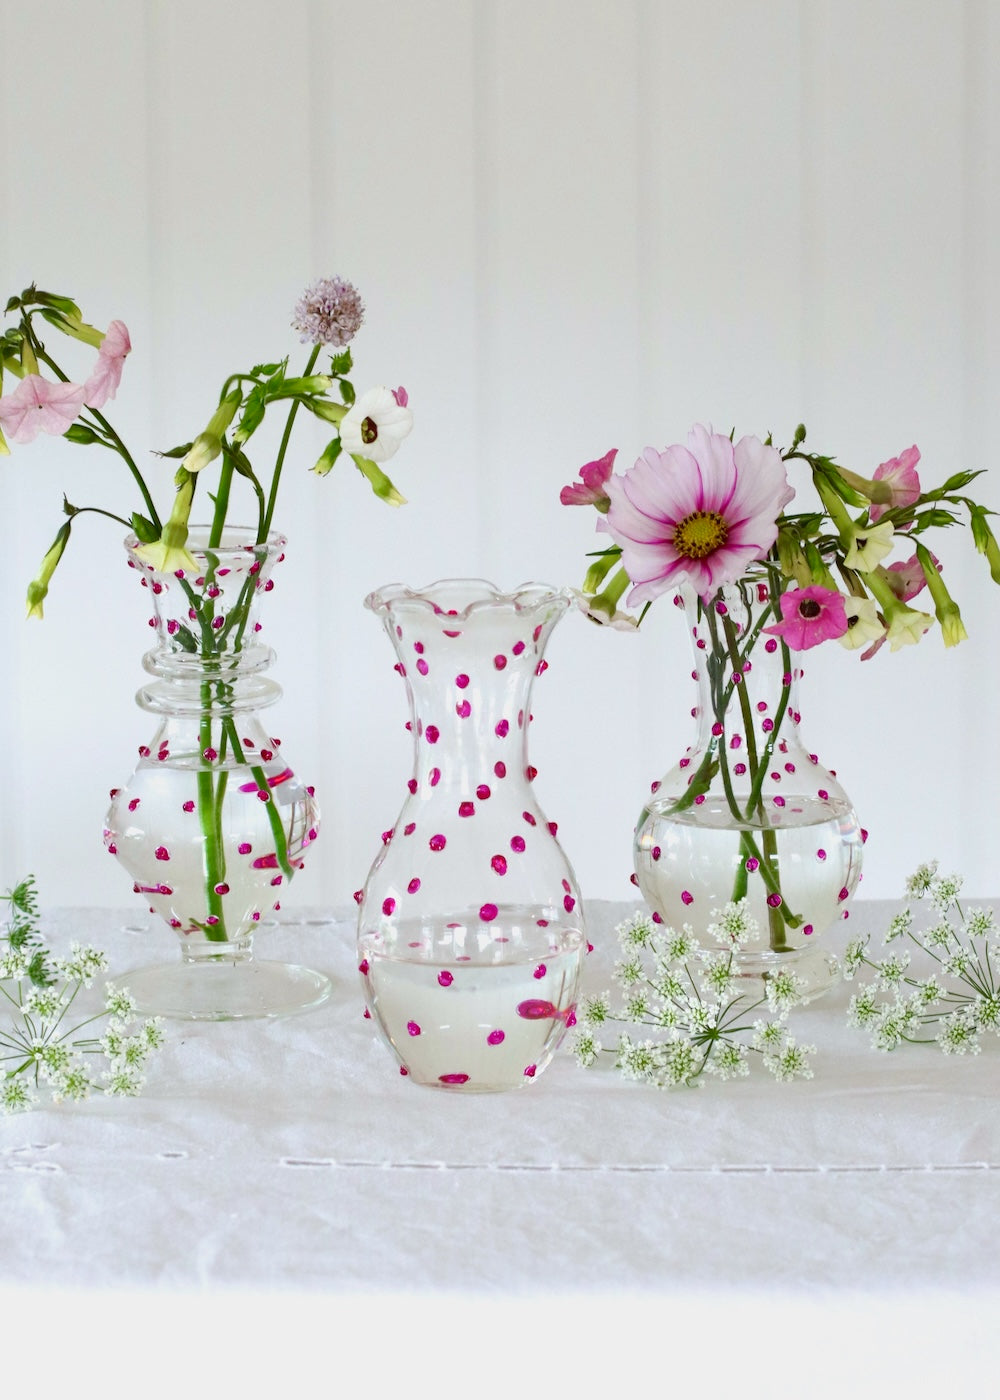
{"x":291,"y":1156}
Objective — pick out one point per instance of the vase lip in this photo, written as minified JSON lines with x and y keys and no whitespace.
{"x":462,"y":597}
{"x":236,"y":539}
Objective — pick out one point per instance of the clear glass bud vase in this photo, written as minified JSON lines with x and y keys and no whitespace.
{"x":213,"y":823}
{"x":748,"y":813}
{"x":471,"y":931}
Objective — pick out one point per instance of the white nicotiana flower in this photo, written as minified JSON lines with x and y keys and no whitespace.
{"x":376,"y":425}
{"x":869,"y":547}
{"x":864,"y":625}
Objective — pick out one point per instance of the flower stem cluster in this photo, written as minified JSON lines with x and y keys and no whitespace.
{"x":698,"y":1015}
{"x":957,"y":999}
{"x":45,"y":1047}
{"x":46,"y":400}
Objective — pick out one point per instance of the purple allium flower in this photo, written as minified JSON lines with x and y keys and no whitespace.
{"x":329,"y":312}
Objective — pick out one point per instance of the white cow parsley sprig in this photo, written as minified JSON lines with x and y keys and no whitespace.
{"x":699,"y":1016}
{"x":43,"y":1047}
{"x":959,"y":997}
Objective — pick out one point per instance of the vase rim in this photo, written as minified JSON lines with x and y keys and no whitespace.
{"x":236,"y":539}
{"x":462,"y":597}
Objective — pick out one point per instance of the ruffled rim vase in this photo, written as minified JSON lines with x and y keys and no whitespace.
{"x":471,"y":932}
{"x":748,"y":814}
{"x":213,"y":823}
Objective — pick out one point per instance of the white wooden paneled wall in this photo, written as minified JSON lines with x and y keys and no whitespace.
{"x":577,"y":224}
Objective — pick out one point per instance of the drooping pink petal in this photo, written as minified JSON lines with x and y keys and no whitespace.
{"x":906,"y":577}
{"x":38,"y":405}
{"x":107,"y":373}
{"x":593,"y":478}
{"x":401,"y":396}
{"x":901,"y":475}
{"x":810,"y":616}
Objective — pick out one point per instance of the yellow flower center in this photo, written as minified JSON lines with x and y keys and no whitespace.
{"x":700,"y":534}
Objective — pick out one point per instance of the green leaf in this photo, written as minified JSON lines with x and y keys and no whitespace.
{"x":330,"y":454}
{"x":958,"y":482}
{"x":184,"y":637}
{"x":58,"y":303}
{"x":265,"y":370}
{"x":12,"y":305}
{"x":253,"y":414}
{"x":347,"y":392}
{"x":68,"y":509}
{"x":341,"y":363}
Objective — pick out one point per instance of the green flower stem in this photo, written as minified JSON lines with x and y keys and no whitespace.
{"x":276,"y":478}
{"x":221,"y":505}
{"x":209,"y":816}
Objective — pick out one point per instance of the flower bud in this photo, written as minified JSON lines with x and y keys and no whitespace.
{"x":39,"y":586}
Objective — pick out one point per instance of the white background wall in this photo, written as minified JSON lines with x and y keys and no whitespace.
{"x":576,"y":224}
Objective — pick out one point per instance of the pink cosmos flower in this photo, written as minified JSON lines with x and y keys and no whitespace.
{"x":38,"y":405}
{"x":810,"y":616}
{"x":701,"y":512}
{"x":906,"y":578}
{"x":901,"y":474}
{"x":591,"y":487}
{"x":107,"y":373}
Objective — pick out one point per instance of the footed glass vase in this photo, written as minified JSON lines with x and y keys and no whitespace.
{"x":213,"y":823}
{"x":748,"y":813}
{"x":470,"y":928}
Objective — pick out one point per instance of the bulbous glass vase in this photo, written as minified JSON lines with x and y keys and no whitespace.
{"x":213,"y":823}
{"x":470,"y":929}
{"x":748,"y":813}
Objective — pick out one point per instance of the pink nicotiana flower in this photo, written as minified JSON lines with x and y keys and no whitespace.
{"x":590,"y":489}
{"x":901,"y":474}
{"x":701,"y":512}
{"x":906,"y":577}
{"x":38,"y":405}
{"x":107,"y":373}
{"x":810,"y":616}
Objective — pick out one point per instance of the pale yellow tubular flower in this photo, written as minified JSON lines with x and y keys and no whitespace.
{"x":907,"y":626}
{"x":869,"y":547}
{"x":864,"y":625}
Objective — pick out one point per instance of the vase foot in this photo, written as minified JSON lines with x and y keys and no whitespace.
{"x":226,"y":991}
{"x":817,"y":969}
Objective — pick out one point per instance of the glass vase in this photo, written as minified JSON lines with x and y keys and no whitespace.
{"x":748,"y":813}
{"x":213,"y":823}
{"x":470,"y":928}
